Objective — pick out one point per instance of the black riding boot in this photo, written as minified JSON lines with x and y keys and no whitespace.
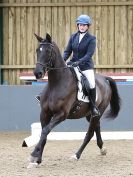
{"x":94,"y":110}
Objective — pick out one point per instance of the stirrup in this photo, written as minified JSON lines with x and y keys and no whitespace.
{"x":37,"y":98}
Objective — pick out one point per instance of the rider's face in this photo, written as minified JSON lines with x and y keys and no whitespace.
{"x":82,"y":28}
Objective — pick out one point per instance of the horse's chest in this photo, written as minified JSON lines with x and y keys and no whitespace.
{"x":54,"y":101}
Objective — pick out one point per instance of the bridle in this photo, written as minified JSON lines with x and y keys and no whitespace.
{"x":49,"y":65}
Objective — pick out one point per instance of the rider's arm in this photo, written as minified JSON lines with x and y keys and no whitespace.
{"x":68,"y":50}
{"x":90,"y":51}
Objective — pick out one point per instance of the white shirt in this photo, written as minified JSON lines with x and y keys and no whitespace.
{"x":81,"y":36}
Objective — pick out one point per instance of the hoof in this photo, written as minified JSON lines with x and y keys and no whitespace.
{"x":33,"y":165}
{"x":33,"y":159}
{"x":73,"y":157}
{"x":103,"y":151}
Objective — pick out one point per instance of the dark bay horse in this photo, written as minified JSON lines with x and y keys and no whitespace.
{"x":60,"y":97}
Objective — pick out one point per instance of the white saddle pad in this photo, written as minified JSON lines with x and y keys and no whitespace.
{"x":80,"y":94}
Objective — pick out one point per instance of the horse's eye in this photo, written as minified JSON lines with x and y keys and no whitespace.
{"x":40,"y":48}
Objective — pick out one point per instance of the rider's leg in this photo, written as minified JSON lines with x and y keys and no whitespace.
{"x":92,"y":93}
{"x":94,"y":109}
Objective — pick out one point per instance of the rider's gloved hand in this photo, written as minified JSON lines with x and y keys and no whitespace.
{"x":69,"y":63}
{"x":75,"y":64}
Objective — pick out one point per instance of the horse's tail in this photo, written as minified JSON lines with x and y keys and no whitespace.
{"x":115,"y":102}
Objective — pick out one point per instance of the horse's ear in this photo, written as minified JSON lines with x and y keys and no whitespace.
{"x":48,"y":37}
{"x":38,"y":38}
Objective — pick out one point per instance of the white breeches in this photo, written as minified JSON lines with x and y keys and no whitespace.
{"x":90,"y":76}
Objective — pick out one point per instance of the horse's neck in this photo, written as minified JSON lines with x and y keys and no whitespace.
{"x":58,"y":76}
{"x":58,"y":61}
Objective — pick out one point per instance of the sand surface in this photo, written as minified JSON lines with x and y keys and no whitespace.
{"x":56,"y":163}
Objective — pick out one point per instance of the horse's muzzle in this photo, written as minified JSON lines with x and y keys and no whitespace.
{"x":38,"y":74}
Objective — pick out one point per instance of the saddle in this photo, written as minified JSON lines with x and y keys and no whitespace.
{"x":85,"y":89}
{"x":84,"y":81}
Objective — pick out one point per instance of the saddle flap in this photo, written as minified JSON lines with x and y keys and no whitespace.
{"x":85,"y":85}
{"x":80,"y":77}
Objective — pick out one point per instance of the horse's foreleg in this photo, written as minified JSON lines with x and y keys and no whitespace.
{"x":89,"y":135}
{"x":36,"y":155}
{"x":37,"y":158}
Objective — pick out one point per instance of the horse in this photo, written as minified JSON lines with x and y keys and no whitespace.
{"x":59,"y":98}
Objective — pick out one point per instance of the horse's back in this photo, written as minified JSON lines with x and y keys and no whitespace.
{"x":101,"y":81}
{"x":100,"y":77}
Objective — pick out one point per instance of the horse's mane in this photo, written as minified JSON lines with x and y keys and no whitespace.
{"x":57,"y":51}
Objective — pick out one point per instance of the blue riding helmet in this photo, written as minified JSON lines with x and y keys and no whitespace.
{"x":84,"y":19}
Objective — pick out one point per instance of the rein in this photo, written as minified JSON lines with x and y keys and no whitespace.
{"x":50,"y":68}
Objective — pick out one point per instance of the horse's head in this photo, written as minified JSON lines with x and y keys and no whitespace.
{"x":44,"y":56}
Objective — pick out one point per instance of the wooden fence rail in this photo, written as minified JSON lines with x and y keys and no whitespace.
{"x":66,"y":4}
{"x":112,"y":26}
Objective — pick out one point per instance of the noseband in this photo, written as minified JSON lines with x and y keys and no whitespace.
{"x":49,"y":65}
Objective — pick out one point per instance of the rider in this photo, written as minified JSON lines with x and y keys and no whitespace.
{"x":82,"y":44}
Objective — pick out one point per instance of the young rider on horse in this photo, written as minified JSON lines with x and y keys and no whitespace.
{"x":82,"y":44}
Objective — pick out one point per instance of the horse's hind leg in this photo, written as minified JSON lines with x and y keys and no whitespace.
{"x":103,"y":150}
{"x":99,"y":139}
{"x":98,"y":133}
{"x":89,"y":135}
